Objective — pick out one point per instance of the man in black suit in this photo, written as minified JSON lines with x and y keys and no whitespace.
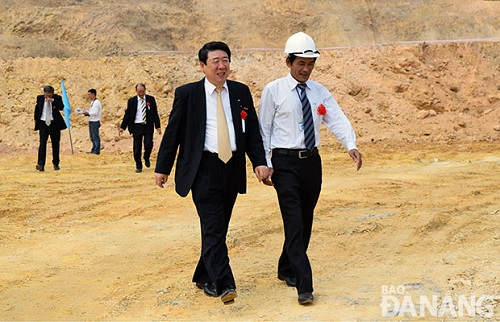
{"x":49,"y":122}
{"x":212,"y":165}
{"x":141,"y":118}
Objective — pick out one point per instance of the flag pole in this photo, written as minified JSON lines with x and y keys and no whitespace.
{"x":70,"y":141}
{"x":67,"y":112}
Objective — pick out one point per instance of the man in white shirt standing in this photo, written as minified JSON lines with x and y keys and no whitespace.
{"x":94,"y":114}
{"x":292,"y":109}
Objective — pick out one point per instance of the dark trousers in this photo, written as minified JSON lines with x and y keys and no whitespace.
{"x":214,"y":194}
{"x":55,"y":139}
{"x":142,"y":133}
{"x":94,"y":136}
{"x":298,"y":185}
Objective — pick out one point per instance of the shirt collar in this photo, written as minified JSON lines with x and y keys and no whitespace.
{"x":211,"y":87}
{"x":292,"y":82}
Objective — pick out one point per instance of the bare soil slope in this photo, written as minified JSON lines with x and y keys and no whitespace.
{"x":95,"y":241}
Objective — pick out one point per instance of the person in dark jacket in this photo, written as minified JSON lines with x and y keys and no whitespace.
{"x":212,"y":126}
{"x":141,"y":118}
{"x":49,"y":122}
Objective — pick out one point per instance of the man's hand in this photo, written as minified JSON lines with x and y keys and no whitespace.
{"x":120,"y":131}
{"x":267,"y":181}
{"x":262,"y":171}
{"x":160,"y":179}
{"x":356,"y":157}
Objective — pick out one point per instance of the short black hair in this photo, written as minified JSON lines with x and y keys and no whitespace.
{"x":140,"y":84}
{"x":93,"y":91}
{"x":48,"y":89}
{"x":291,"y":58}
{"x":212,"y":46}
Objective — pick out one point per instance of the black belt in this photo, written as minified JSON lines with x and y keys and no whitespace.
{"x":212,"y":154}
{"x":301,"y":154}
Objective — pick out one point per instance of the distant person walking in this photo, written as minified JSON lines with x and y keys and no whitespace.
{"x":94,"y":115}
{"x":49,"y":122}
{"x":141,"y":118}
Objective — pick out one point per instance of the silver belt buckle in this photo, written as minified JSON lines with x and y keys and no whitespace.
{"x":303,"y":154}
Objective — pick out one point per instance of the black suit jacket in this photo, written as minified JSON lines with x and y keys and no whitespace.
{"x":185,"y":132}
{"x":57,"y":105}
{"x":152,"y":118}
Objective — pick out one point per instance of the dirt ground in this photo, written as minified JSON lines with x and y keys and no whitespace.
{"x":419,"y":81}
{"x":96,"y":241}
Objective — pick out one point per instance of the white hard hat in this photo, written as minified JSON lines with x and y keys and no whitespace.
{"x":301,"y":45}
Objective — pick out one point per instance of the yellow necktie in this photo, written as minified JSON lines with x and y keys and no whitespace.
{"x":224,"y":145}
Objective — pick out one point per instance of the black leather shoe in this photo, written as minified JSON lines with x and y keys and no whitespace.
{"x":138,"y":170}
{"x":228,"y":296}
{"x":147,"y":163}
{"x":306,"y":298}
{"x":40,"y":167}
{"x":56,"y":167}
{"x":290,"y":281}
{"x":208,"y":288}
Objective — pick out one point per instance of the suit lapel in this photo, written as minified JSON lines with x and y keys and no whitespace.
{"x":200,"y":108}
{"x":235,"y":101}
{"x":134,"y":108}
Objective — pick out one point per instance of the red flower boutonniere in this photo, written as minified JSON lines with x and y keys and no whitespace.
{"x":243,"y":115}
{"x":321,"y":109}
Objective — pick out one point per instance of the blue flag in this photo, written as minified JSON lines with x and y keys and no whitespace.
{"x":67,"y":108}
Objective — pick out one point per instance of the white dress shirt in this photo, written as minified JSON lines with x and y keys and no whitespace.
{"x":44,"y":115}
{"x":281,"y":117}
{"x":211,"y":130}
{"x":138,"y":114}
{"x":95,"y":111}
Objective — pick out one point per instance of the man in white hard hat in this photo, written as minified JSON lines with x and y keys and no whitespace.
{"x":292,"y":109}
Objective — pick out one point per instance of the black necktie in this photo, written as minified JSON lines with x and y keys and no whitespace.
{"x":309,"y":138}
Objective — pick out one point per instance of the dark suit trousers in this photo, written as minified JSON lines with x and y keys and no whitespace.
{"x":214,"y":194}
{"x":298,"y":185}
{"x":55,"y":139}
{"x":142,"y":132}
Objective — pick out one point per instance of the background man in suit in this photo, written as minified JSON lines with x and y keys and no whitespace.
{"x":141,"y":118}
{"x":213,"y":124}
{"x":292,"y":109}
{"x":49,"y":122}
